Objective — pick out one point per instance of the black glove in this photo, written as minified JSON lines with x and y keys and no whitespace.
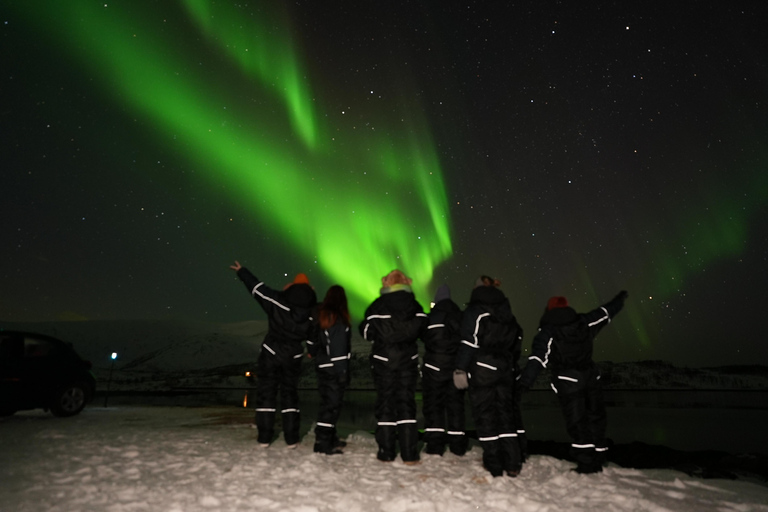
{"x":622,"y":295}
{"x":460,"y":379}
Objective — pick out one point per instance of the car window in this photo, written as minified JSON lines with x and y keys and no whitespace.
{"x":34,"y":347}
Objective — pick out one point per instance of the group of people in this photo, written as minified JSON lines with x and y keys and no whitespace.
{"x":475,"y":351}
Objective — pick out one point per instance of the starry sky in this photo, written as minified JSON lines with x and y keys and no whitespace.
{"x":565,"y":148}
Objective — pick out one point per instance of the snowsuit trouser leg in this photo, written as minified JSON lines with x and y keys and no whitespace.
{"x":457,"y":438}
{"x":492,"y":409}
{"x":598,"y":418}
{"x":275,"y":376}
{"x":396,"y":411}
{"x":510,"y":445}
{"x":483,"y":410}
{"x":407,"y":430}
{"x":522,"y":437}
{"x":331,"y":385}
{"x":386,"y":417}
{"x":434,"y":409}
{"x":574,"y":406}
{"x":289,"y":400}
{"x":266,"y":396}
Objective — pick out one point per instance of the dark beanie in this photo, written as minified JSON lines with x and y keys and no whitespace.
{"x":557,"y":302}
{"x":442,"y":293}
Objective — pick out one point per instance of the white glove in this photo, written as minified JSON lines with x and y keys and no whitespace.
{"x":460,"y":379}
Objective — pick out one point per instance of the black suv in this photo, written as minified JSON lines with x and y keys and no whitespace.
{"x":42,"y":371}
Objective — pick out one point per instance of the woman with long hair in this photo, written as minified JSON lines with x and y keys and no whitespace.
{"x":331,"y":351}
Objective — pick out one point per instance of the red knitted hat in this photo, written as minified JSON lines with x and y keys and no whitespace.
{"x":557,"y":302}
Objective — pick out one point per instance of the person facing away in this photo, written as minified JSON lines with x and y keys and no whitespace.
{"x":289,"y":312}
{"x":564,"y":344}
{"x":443,"y":408}
{"x":393,"y":323}
{"x":330,"y":348}
{"x":491,"y":342}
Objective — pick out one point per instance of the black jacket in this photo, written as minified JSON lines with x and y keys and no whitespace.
{"x":393,"y":323}
{"x":491,"y":338}
{"x":565,"y":339}
{"x":332,"y":347}
{"x":289,"y":312}
{"x":442,"y":336}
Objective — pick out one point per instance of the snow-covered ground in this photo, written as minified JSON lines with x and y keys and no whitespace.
{"x":145,"y":458}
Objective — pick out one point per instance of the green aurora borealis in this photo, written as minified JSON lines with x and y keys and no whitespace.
{"x":377,"y":205}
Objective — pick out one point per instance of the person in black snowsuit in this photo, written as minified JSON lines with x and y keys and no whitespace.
{"x":393,"y":323}
{"x":279,"y":365}
{"x":491,"y":342}
{"x":331,"y":351}
{"x":444,"y":421}
{"x":564,"y":345}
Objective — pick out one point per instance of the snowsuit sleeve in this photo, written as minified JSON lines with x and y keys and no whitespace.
{"x":267,"y":297}
{"x":539,"y":359}
{"x":602,"y":316}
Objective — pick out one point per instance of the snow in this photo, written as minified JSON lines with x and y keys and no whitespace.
{"x":186,"y":459}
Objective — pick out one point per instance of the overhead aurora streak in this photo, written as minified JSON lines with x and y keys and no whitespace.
{"x":359,"y":203}
{"x":265,"y":52}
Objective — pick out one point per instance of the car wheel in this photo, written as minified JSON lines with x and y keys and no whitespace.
{"x":69,"y":400}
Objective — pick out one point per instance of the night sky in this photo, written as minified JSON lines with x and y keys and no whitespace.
{"x":566,"y":148}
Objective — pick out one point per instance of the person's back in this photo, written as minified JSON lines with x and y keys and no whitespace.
{"x":443,"y":404}
{"x":331,"y":351}
{"x":490,"y":345}
{"x":490,"y":335}
{"x":393,"y":323}
{"x":443,"y":335}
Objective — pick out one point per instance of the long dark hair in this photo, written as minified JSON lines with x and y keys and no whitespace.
{"x":334,"y":307}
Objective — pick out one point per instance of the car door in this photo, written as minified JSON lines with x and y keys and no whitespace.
{"x":42,"y":368}
{"x":12,"y":393}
